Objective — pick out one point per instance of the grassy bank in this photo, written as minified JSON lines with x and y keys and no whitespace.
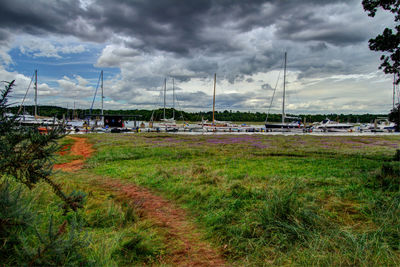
{"x":272,"y":199}
{"x":108,"y":231}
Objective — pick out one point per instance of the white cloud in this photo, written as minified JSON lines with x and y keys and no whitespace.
{"x":23,"y":85}
{"x":75,"y":88}
{"x":48,"y":48}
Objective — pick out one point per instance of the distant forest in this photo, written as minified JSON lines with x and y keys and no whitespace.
{"x":227,"y":115}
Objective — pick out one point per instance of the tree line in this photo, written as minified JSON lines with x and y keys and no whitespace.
{"x":226,"y":115}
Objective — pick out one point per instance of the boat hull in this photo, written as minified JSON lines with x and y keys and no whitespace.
{"x":280,"y":126}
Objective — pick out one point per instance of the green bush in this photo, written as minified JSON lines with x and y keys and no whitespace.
{"x":15,"y":217}
{"x":31,"y":238}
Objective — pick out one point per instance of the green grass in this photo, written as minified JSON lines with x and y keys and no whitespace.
{"x":113,"y":223}
{"x":307,"y":200}
{"x":110,"y":223}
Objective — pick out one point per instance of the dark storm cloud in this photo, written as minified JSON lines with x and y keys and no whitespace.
{"x":44,"y":17}
{"x":201,"y":33}
{"x":4,"y":35}
{"x":174,"y":25}
{"x":178,"y":26}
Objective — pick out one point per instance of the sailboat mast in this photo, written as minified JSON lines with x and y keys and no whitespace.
{"x":173,"y":99}
{"x":165,"y":93}
{"x":102,"y":94}
{"x":394,"y":88}
{"x":35,"y":94}
{"x":284,"y":91}
{"x":215,"y":80}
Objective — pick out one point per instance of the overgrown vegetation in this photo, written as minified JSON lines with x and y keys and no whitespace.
{"x":305,"y":200}
{"x":27,"y":238}
{"x":264,"y":200}
{"x":26,"y":155}
{"x":38,"y":229}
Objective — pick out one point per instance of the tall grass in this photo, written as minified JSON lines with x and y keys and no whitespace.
{"x":271,"y":199}
{"x":103,"y":233}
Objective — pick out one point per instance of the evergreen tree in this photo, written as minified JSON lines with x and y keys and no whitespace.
{"x":29,"y":236}
{"x":26,"y":155}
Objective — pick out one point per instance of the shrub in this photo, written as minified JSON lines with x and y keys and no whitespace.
{"x":26,"y":155}
{"x":15,"y":217}
{"x":30,"y":238}
{"x":26,"y":159}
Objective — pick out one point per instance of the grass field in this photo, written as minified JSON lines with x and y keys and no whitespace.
{"x":264,"y":200}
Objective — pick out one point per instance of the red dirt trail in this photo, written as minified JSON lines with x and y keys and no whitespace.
{"x":80,"y":148}
{"x":190,"y":249}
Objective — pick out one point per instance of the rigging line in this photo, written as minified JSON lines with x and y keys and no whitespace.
{"x":296,"y":94}
{"x":181,"y":110}
{"x":23,"y":100}
{"x":174,"y":97}
{"x":273,"y":95}
{"x":155,"y":105}
{"x":158,"y":101}
{"x":95,"y":93}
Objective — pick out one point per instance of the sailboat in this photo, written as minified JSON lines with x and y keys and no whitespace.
{"x":169,"y":125}
{"x":283,"y":124}
{"x":41,"y":123}
{"x":216,"y":125}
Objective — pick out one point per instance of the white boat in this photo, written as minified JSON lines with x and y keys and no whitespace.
{"x":167,"y":125}
{"x":283,"y":125}
{"x":333,"y":126}
{"x":382,"y":125}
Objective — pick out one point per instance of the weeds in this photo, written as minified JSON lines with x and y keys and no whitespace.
{"x":30,"y":239}
{"x":286,"y":220}
{"x":137,"y":249}
{"x":267,"y":200}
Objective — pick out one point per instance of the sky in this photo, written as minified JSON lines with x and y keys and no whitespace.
{"x":139,"y":43}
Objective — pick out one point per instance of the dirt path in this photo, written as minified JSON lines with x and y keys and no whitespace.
{"x":80,"y":148}
{"x":189,"y":249}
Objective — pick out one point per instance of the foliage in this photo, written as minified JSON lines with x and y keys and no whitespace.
{"x":111,"y":222}
{"x":30,"y":235}
{"x":15,"y":216}
{"x":26,"y":155}
{"x":389,"y":41}
{"x":31,"y":238}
